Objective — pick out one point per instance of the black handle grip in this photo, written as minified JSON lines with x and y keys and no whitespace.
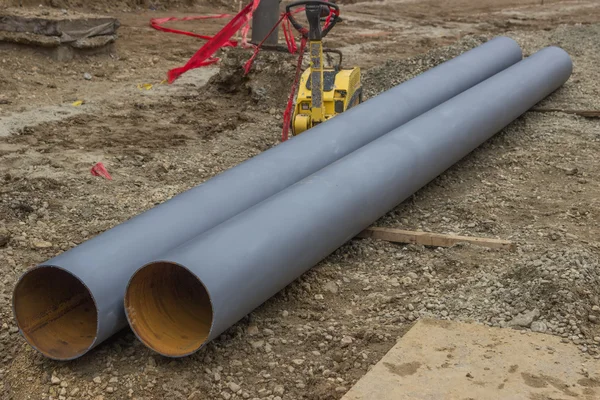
{"x":302,"y":29}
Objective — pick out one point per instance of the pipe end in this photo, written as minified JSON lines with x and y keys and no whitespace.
{"x":56,"y":313}
{"x":169,"y":309}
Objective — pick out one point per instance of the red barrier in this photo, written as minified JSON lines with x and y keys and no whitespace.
{"x":100,"y":170}
{"x":157,"y":23}
{"x":204,"y":56}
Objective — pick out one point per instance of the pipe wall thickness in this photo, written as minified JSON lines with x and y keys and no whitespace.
{"x":243,"y":262}
{"x":51,"y":317}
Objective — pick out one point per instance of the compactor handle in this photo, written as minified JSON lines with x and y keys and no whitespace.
{"x":314,"y":10}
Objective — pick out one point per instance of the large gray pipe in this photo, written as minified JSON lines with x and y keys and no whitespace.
{"x":193,"y":293}
{"x":73,"y":302}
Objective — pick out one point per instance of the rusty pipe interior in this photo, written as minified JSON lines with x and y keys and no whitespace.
{"x":169,"y":309}
{"x":55,"y":312}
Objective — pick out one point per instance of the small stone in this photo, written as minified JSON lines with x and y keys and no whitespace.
{"x":114,"y":379}
{"x":469,"y":375}
{"x":196,"y":395}
{"x":319,"y":297}
{"x":597,"y":339}
{"x":285,"y":314}
{"x":217,"y":377}
{"x":234,"y":387}
{"x":524,"y":320}
{"x":42,"y":244}
{"x":298,"y":361}
{"x":252,"y":330}
{"x":595,"y":308}
{"x":110,"y":389}
{"x":74,"y":392}
{"x":279,"y":390}
{"x":54,"y":380}
{"x":341,"y":389}
{"x":87,"y":76}
{"x":64,"y":384}
{"x":539,"y":326}
{"x":331,"y":287}
{"x":410,"y":307}
{"x":593,"y":318}
{"x":258,"y":344}
{"x":97,"y":380}
{"x":346,"y":340}
{"x":571,"y":171}
{"x":225,"y":395}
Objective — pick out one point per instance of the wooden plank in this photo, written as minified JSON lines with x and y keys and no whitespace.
{"x":431,"y":239}
{"x":581,"y":113}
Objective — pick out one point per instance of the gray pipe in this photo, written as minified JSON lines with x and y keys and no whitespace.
{"x":195,"y":292}
{"x":264,"y":19}
{"x":73,"y":302}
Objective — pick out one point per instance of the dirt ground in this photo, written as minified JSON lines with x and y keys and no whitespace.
{"x":536,"y":183}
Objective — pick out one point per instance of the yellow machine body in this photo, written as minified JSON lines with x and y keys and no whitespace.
{"x":334,"y":91}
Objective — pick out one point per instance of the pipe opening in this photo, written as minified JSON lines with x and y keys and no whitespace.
{"x":55,"y":312}
{"x":169,"y":309}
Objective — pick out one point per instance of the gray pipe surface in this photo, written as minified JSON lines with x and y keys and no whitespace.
{"x":195,"y":292}
{"x":73,"y":302}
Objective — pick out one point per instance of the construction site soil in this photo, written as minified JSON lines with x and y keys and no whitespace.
{"x":536,"y":183}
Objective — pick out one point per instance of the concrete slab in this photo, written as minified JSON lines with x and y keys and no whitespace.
{"x":456,"y":361}
{"x":55,"y":23}
{"x":62,"y":36}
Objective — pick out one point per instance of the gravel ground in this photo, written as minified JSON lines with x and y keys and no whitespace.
{"x":535,"y":183}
